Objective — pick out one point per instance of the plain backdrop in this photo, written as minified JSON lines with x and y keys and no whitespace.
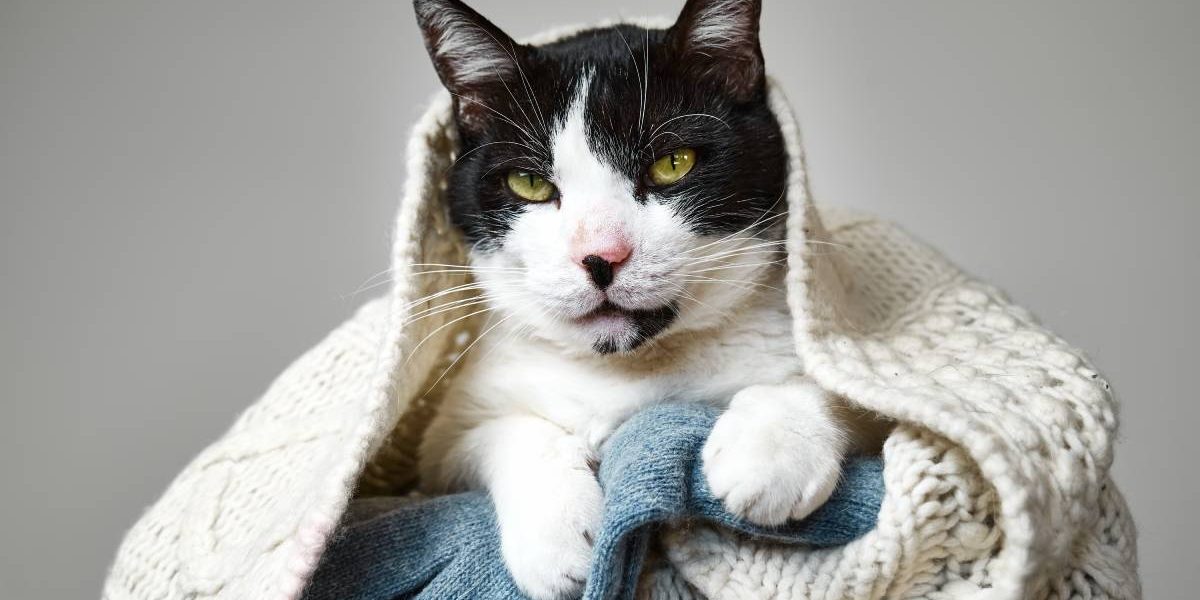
{"x":191,"y":193}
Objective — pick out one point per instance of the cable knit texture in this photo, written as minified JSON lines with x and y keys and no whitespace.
{"x":998,"y":483}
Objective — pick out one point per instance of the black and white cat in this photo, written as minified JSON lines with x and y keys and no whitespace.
{"x":623,"y":192}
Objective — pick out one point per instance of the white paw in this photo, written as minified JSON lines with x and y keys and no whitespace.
{"x":547,"y":540}
{"x":775,"y":455}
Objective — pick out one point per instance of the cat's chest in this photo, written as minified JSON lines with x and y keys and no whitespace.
{"x":592,"y":395}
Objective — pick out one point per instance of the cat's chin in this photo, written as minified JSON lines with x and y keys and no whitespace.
{"x":614,"y":329}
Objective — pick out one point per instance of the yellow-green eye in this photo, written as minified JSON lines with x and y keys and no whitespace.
{"x":670,"y":168}
{"x":530,"y":186}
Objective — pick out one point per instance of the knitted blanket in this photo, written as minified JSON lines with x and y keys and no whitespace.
{"x":997,"y":474}
{"x":449,"y":546}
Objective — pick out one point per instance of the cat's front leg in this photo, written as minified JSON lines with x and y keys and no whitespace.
{"x":776,"y":453}
{"x":547,"y":499}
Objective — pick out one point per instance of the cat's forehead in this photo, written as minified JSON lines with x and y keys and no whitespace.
{"x":624,"y":79}
{"x":608,"y":68}
{"x":619,"y":48}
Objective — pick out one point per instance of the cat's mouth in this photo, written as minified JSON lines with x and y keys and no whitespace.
{"x":619,"y":329}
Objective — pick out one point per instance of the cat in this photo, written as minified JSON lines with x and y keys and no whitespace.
{"x":622,"y":190}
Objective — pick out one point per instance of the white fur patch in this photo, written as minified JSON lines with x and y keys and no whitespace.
{"x":548,"y":515}
{"x":776,"y":453}
{"x":594,"y":195}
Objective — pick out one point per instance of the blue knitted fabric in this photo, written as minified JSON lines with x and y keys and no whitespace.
{"x":449,"y":547}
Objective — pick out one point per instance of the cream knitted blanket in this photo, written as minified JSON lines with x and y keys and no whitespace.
{"x":998,"y":482}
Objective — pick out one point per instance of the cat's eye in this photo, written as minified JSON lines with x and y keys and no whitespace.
{"x":671,"y":167}
{"x":530,"y":186}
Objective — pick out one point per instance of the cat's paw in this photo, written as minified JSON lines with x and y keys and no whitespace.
{"x":775,"y":454}
{"x":547,"y":541}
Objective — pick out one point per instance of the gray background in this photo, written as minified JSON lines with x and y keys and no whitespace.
{"x":192,"y":192}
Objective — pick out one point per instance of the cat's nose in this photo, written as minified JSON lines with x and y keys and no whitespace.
{"x":601,"y":265}
{"x":600,"y":270}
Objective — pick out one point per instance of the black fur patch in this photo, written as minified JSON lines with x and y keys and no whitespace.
{"x":647,"y":323}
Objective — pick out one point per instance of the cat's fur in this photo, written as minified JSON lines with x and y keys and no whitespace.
{"x":695,"y":310}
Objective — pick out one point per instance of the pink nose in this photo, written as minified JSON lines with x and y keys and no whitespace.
{"x":613,"y":251}
{"x":601,"y":260}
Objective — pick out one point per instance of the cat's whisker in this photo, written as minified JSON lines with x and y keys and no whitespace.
{"x":446,"y":306}
{"x":460,"y":304}
{"x":463,"y":288}
{"x":529,"y":94}
{"x":511,"y":52}
{"x":744,"y":243}
{"x":769,"y":247}
{"x":504,"y":162}
{"x":738,"y":266}
{"x":838,"y":247}
{"x":512,"y":334}
{"x":497,"y":293}
{"x":464,"y":353}
{"x":699,"y":208}
{"x":642,"y":98}
{"x":723,"y":121}
{"x":646,"y":81}
{"x":371,"y":283}
{"x":681,"y":291}
{"x":485,"y":290}
{"x":413,"y":352}
{"x":463,"y":271}
{"x":366,"y":288}
{"x":470,"y":267}
{"x":679,"y":138}
{"x":734,"y":282}
{"x":528,"y":121}
{"x":729,"y":259}
{"x":382,"y":273}
{"x":735,"y":240}
{"x":529,"y":137}
{"x":744,"y":229}
{"x":440,"y":311}
{"x":481,"y":146}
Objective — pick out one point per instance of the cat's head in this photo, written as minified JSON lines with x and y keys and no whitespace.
{"x":619,"y":184}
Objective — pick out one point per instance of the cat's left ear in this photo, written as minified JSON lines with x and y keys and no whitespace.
{"x":472,"y":57}
{"x":719,"y":40}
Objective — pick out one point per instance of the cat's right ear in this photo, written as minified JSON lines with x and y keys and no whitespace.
{"x":719,"y":40}
{"x":473,"y":58}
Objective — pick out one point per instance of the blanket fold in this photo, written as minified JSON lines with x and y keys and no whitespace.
{"x":449,"y":547}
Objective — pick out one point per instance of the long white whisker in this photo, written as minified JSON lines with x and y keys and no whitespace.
{"x":464,"y":353}
{"x":528,"y":136}
{"x":737,"y":266}
{"x":460,"y":304}
{"x":457,"y":271}
{"x":468,"y":152}
{"x":706,"y":115}
{"x":733,"y":282}
{"x":504,"y":162}
{"x":468,"y":267}
{"x":466,"y":287}
{"x":770,"y":247}
{"x":511,"y":52}
{"x":413,"y":352}
{"x":729,"y":258}
{"x":762,"y":220}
